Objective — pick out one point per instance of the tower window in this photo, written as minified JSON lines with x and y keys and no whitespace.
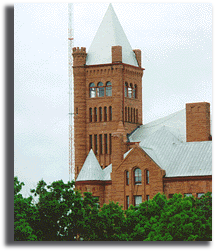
{"x":137,"y":176}
{"x":126,"y":89}
{"x":130,"y":91}
{"x":100,"y":114}
{"x":100,"y":90}
{"x":95,"y":144}
{"x":127,"y":177}
{"x":105,"y":143}
{"x":110,"y":143}
{"x":90,"y":142}
{"x":101,"y":143}
{"x":95,"y":114}
{"x":135,"y":91}
{"x":147,"y":177}
{"x":90,"y":114}
{"x":110,"y":113}
{"x":92,"y":90}
{"x":108,"y":88}
{"x":105,"y":114}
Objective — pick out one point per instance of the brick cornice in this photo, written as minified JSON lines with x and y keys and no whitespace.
{"x":93,"y":182}
{"x":174,"y":179}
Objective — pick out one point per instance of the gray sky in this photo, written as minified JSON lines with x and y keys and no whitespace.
{"x":176,"y":44}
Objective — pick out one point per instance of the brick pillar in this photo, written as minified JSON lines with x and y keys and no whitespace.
{"x":116,"y":54}
{"x":79,"y":60}
{"x":138,"y":56}
{"x":198,"y":121}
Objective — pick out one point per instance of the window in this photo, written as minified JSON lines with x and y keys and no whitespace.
{"x":127,"y":177}
{"x":100,"y":114}
{"x":130,"y":91}
{"x":137,"y":176}
{"x":135,"y":92}
{"x":95,"y":114}
{"x":128,"y":114}
{"x":101,"y":143}
{"x":110,"y":113}
{"x":110,"y":143}
{"x":147,"y":197}
{"x":188,"y":194}
{"x":131,"y":115}
{"x":147,"y":177}
{"x":95,"y":144}
{"x":90,"y":114}
{"x":92,"y":90}
{"x":199,"y":195}
{"x":108,"y":88}
{"x":125,"y":114}
{"x":136,"y":115}
{"x":105,"y":114}
{"x":127,"y":202}
{"x":126,"y":89}
{"x":105,"y":144}
{"x":137,"y":200}
{"x":100,"y":90}
{"x":90,"y":142}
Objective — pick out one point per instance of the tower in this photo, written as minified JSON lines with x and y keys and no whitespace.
{"x":107,"y":92}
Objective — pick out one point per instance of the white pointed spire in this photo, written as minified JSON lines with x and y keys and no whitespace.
{"x":91,"y":169}
{"x":110,"y":33}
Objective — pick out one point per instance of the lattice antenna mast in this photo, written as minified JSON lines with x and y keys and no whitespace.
{"x":71,"y":100}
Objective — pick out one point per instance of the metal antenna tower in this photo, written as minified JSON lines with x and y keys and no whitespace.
{"x":70,"y":79}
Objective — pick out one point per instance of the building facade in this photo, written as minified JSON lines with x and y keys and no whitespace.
{"x":116,"y":157}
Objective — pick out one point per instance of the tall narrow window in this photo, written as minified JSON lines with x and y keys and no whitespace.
{"x":127,"y":202}
{"x":92,"y":90}
{"x":147,"y":177}
{"x":95,"y":145}
{"x":125,"y":114}
{"x":126,"y":89}
{"x":100,"y":89}
{"x":90,"y":114}
{"x":95,"y":114}
{"x":131,"y":115}
{"x":128,"y":114}
{"x":90,"y":142}
{"x":101,"y":143}
{"x":136,"y":115}
{"x":108,"y":88}
{"x":127,"y":177}
{"x":130,"y":91}
{"x":110,"y":143}
{"x":105,"y":144}
{"x":110,"y":113}
{"x":147,"y":197}
{"x":135,"y":91}
{"x":100,"y":114}
{"x":137,"y":176}
{"x":105,"y":114}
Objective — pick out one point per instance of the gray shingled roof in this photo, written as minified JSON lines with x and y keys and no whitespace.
{"x":110,"y":33}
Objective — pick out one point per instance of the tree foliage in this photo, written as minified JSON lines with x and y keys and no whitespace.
{"x":62,"y":214}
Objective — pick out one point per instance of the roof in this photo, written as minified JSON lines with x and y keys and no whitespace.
{"x":110,"y":33}
{"x":178,"y":158}
{"x":91,"y":169}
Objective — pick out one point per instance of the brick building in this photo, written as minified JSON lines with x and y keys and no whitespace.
{"x":116,"y":157}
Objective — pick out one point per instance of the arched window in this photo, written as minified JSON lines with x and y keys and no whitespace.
{"x":110,"y":113}
{"x":127,"y":177}
{"x":95,"y":114}
{"x":137,"y":176}
{"x":108,"y":88}
{"x":100,"y":89}
{"x":100,"y":114}
{"x":92,"y":90}
{"x":126,"y":89}
{"x":130,"y":88}
{"x":135,"y":91}
{"x":147,"y":177}
{"x":105,"y":114}
{"x":90,"y":114}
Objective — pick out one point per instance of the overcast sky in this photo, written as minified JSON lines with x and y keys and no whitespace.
{"x":176,"y":44}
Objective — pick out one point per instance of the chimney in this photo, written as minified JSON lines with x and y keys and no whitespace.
{"x":198,"y":122}
{"x":116,"y":54}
